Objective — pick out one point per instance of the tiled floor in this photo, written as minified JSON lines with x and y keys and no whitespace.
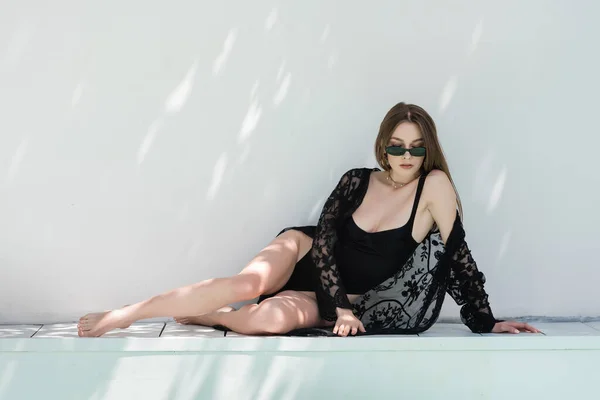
{"x":18,"y":331}
{"x":172,"y":329}
{"x":139,"y":330}
{"x":567,"y":329}
{"x":595,"y":325}
{"x":445,"y":330}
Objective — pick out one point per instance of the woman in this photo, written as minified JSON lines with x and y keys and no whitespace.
{"x":387,"y":247}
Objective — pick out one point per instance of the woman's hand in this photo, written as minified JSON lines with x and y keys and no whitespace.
{"x":347,"y":323}
{"x":513,"y":327}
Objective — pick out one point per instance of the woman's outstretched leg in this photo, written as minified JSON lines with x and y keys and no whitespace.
{"x":266,"y":273}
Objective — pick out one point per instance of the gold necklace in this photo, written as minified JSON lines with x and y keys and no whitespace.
{"x":395,"y":184}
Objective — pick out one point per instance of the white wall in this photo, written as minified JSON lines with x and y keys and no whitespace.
{"x":147,"y":145}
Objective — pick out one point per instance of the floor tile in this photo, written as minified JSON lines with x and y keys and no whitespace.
{"x":173,"y":329}
{"x":448,"y":330}
{"x":18,"y":331}
{"x":141,"y":329}
{"x":565,"y":328}
{"x":595,"y":325}
{"x":57,"y":331}
{"x":232,"y":334}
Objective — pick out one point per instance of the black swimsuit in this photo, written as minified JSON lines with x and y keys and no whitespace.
{"x":364,"y":259}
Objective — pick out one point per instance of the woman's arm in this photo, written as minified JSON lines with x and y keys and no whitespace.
{"x":331,"y":295}
{"x":440,"y":201}
{"x":330,"y":291}
{"x":466,"y":282}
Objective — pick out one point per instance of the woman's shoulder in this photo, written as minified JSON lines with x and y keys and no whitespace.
{"x":438,"y":186}
{"x":437,"y":174}
{"x":437,"y":177}
{"x":359,"y":172}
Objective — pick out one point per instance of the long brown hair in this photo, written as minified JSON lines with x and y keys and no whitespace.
{"x":434,"y":159}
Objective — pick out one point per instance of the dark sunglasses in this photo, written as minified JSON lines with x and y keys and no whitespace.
{"x":399,"y":151}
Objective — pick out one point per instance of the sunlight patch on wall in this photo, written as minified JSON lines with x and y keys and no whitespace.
{"x":77,"y":93}
{"x":271,"y":20}
{"x":179,"y":96}
{"x":448,"y":93}
{"x":250,"y":121}
{"x":476,"y":37}
{"x":280,"y":71}
{"x":16,"y":160}
{"x":282,"y":91}
{"x":217,"y":178}
{"x":148,"y":140}
{"x":224,"y":55}
{"x":244,"y":155}
{"x":18,"y":43}
{"x":331,"y":61}
{"x":325,"y":33}
{"x":497,"y":191}
{"x":504,"y":245}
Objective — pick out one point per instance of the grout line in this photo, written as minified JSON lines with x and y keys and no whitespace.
{"x":593,"y":327}
{"x":163,"y":329}
{"x":35,"y":333}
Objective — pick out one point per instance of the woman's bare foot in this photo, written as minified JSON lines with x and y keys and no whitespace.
{"x":205,"y":319}
{"x":97,"y":324}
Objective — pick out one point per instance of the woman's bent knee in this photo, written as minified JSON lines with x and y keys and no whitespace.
{"x":271,"y":316}
{"x":296,"y":241}
{"x":247,"y":286}
{"x":287,"y":311}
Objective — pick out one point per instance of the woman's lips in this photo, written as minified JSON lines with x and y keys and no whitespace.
{"x":406,"y":166}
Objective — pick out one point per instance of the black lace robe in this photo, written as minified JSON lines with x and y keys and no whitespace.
{"x":409,"y":301}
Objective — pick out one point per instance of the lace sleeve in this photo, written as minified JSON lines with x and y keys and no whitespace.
{"x":466,"y":286}
{"x":329,"y":289}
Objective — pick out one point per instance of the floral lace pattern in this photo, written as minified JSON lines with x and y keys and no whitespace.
{"x":330,"y":291}
{"x":411,"y":300}
{"x":466,"y":286}
{"x":405,"y":303}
